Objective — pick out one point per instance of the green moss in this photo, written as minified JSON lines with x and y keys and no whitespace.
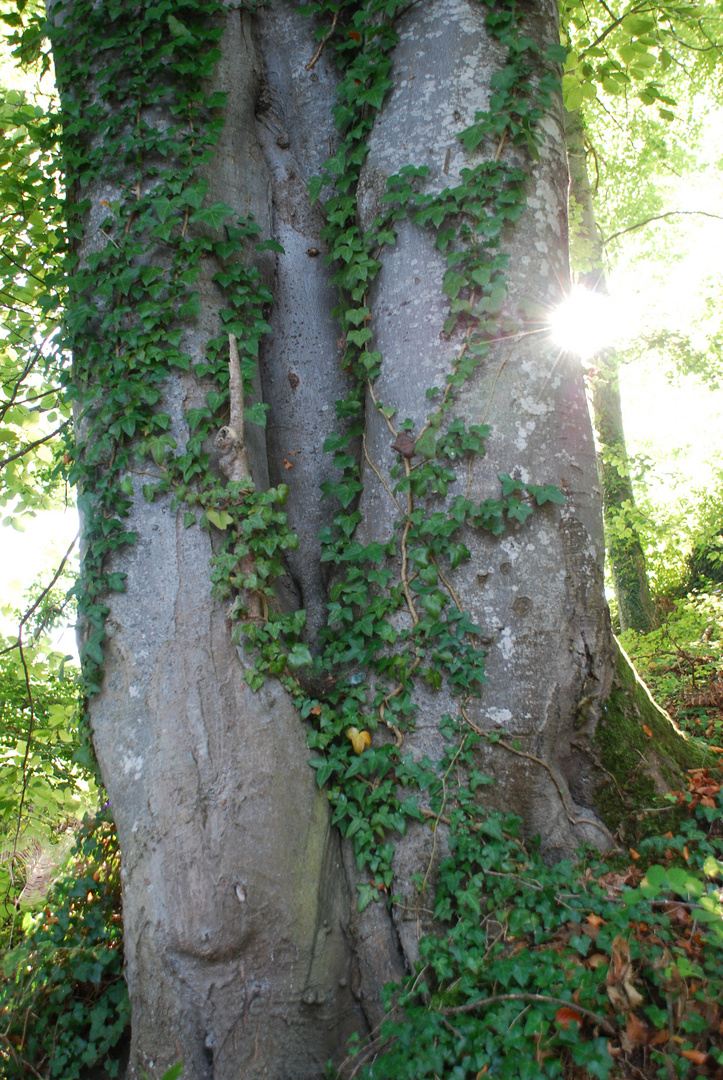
{"x":643,"y":756}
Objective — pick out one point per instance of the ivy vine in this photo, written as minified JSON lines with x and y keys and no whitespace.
{"x":369,"y":665}
{"x":125,"y":311}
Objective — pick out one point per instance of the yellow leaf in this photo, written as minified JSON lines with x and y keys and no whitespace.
{"x":359,"y":739}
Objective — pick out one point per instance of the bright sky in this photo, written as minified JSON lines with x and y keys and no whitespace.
{"x":664,"y":416}
{"x":33,"y":556}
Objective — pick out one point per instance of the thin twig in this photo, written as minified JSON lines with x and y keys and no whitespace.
{"x":312,"y":63}
{"x":439,"y":816}
{"x":379,"y":475}
{"x":660,"y":217}
{"x":31,"y":446}
{"x":470,"y":1006}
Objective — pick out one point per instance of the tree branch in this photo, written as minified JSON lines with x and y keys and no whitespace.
{"x":32,"y":445}
{"x":470,"y":1006}
{"x":660,"y":217}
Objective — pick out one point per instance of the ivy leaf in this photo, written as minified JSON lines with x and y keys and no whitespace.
{"x":191,"y":307}
{"x":426,"y":444}
{"x":92,"y":648}
{"x":213,"y":215}
{"x":178,"y":30}
{"x":314,"y":188}
{"x":433,"y":602}
{"x":367,"y":894}
{"x":271,"y":245}
{"x":508,"y":484}
{"x":299,"y":657}
{"x":556,"y":53}
{"x":324,"y":768}
{"x":220,"y":518}
{"x":456,"y":553}
{"x":174,"y":1072}
{"x":256,"y":413}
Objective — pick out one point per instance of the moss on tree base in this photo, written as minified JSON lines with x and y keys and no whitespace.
{"x":643,"y":755}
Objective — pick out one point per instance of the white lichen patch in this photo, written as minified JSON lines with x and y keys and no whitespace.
{"x":506,"y":643}
{"x":523,"y":433}
{"x":132,"y":766}
{"x":535,"y":407}
{"x":500,"y":717}
{"x":511,"y":548}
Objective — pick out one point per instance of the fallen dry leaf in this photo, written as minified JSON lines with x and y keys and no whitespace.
{"x":698,"y":1057}
{"x":636,"y":1033}
{"x":566,"y":1016}
{"x":619,"y":979}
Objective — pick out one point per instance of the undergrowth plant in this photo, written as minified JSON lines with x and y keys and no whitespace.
{"x":63,"y":1001}
{"x":682,"y":662}
{"x":609,"y":969}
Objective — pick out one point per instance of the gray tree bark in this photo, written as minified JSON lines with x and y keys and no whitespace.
{"x":246,"y":955}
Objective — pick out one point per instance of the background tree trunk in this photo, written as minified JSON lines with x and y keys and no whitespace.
{"x":246,"y":954}
{"x":625,"y":551}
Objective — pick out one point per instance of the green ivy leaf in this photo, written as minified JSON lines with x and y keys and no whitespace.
{"x":426,"y":444}
{"x":298,"y":657}
{"x":314,"y":188}
{"x":256,"y":414}
{"x":220,"y":518}
{"x":178,"y":30}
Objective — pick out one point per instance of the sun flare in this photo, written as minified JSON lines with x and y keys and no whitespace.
{"x":587,"y":322}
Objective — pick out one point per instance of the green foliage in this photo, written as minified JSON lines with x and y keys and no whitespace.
{"x":544,"y":971}
{"x":41,"y":772}
{"x":680,"y":538}
{"x":63,"y":999}
{"x":34,"y":414}
{"x":682,"y":662}
{"x":612,"y":50}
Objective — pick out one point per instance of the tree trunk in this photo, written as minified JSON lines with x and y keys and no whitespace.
{"x":625,"y":551}
{"x":247,"y":952}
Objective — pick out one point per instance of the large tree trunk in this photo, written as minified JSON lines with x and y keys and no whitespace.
{"x":246,"y":954}
{"x":624,"y":548}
